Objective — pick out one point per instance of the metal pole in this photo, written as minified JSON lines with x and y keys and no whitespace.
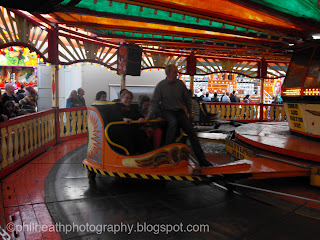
{"x":262,"y":90}
{"x":123,"y":81}
{"x":191,"y":84}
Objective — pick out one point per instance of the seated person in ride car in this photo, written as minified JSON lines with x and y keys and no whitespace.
{"x":101,"y":96}
{"x":118,"y":99}
{"x":153,"y":130}
{"x":130,"y":135}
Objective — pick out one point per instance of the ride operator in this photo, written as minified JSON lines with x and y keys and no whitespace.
{"x":171,"y":97}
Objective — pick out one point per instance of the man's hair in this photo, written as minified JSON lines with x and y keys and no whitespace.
{"x":233,"y":92}
{"x":168,"y":68}
{"x":7,"y":86}
{"x":22,"y":86}
{"x":79,"y":89}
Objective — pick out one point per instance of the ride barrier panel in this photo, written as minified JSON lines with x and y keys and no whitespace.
{"x":25,"y":137}
{"x":247,"y":112}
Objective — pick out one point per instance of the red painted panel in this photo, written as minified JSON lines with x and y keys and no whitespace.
{"x":9,"y":196}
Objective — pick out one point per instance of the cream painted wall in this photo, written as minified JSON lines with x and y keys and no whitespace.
{"x":93,"y":79}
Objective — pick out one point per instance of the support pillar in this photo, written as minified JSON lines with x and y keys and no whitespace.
{"x":55,"y":97}
{"x":55,"y":85}
{"x":123,"y":81}
{"x":191,"y":83}
{"x":263,"y":76}
{"x":262,"y":90}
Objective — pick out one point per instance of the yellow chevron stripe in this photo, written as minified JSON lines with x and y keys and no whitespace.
{"x":122,"y":175}
{"x":133,"y":175}
{"x":189,"y":178}
{"x":155,"y":177}
{"x":178,"y":178}
{"x":166,"y":177}
{"x":143,"y":176}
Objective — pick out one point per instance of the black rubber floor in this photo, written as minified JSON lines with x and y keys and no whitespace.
{"x":156,"y":206}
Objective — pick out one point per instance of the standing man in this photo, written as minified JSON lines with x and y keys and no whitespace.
{"x":21,"y":93}
{"x":171,"y":97}
{"x":80,"y":97}
{"x":233,"y":97}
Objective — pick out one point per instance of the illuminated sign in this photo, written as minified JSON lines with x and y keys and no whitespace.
{"x":18,"y":56}
{"x":295,"y":117}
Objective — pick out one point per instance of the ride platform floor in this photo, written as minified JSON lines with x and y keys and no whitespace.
{"x":54,"y":189}
{"x":276,"y":137}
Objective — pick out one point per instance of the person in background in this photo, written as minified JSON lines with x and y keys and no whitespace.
{"x":81,"y":100}
{"x":29,"y":102}
{"x":171,"y":97}
{"x":215,"y":97}
{"x":10,"y":107}
{"x":206,"y":98}
{"x":280,"y":100}
{"x":101,"y":96}
{"x":247,"y":99}
{"x":225,"y":98}
{"x":233,"y":97}
{"x":9,"y":95}
{"x":275,"y":100}
{"x":197,"y":104}
{"x":153,"y":130}
{"x":21,"y":93}
{"x":72,"y":100}
{"x":200,"y":93}
{"x":4,"y":113}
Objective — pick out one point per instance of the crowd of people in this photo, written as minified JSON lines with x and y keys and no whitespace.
{"x":16,"y":103}
{"x":226,"y":97}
